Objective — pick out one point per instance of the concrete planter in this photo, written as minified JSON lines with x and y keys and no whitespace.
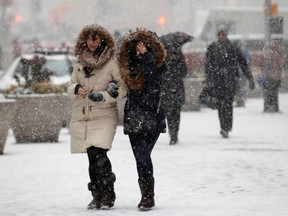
{"x":38,"y":118}
{"x":7,"y":108}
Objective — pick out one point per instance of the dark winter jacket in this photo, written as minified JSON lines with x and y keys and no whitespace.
{"x":173,"y":92}
{"x":143,"y":77}
{"x":272,"y":62}
{"x":222,"y":63}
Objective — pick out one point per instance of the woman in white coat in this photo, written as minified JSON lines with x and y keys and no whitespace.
{"x":95,"y":87}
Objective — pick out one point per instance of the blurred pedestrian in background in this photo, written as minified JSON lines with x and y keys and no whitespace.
{"x":95,"y":86}
{"x":222,"y":62}
{"x":173,"y":92}
{"x":272,"y":67}
{"x":17,"y":48}
{"x":142,"y":65}
{"x":241,"y":92}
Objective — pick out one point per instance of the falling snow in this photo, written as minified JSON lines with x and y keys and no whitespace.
{"x":205,"y":174}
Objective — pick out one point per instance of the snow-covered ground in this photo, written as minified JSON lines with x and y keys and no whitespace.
{"x":205,"y":175}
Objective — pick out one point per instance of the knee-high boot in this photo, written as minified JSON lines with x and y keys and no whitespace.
{"x":95,"y":188}
{"x":147,"y":191}
{"x":108,"y":193}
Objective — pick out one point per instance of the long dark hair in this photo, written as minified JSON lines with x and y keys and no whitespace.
{"x":132,"y":54}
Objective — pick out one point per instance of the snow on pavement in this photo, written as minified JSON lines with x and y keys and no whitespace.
{"x":205,"y":175}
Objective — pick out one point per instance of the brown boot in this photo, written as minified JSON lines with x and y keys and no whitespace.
{"x":95,"y":189}
{"x":147,"y":191}
{"x":108,"y":193}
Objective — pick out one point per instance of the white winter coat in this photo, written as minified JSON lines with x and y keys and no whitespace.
{"x":94,"y":123}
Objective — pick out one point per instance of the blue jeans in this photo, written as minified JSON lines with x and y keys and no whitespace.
{"x":142,"y":146}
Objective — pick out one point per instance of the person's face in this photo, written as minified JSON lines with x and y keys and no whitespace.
{"x":222,"y":36}
{"x":93,"y":42}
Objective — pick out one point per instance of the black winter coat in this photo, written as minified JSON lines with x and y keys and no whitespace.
{"x":143,"y":77}
{"x":222,"y":63}
{"x":146,"y":99}
{"x":173,"y":92}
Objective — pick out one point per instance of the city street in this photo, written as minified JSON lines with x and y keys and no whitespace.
{"x":204,"y":175}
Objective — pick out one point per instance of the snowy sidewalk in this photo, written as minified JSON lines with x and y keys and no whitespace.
{"x":205,"y":175}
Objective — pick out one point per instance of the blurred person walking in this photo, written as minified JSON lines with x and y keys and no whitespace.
{"x":272,"y":64}
{"x":142,"y":64}
{"x":95,"y":86}
{"x":221,"y":69}
{"x":173,"y":92}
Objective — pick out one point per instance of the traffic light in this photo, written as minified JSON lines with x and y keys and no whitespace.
{"x":274,"y":9}
{"x":162,"y":20}
{"x":18,"y":18}
{"x":276,"y":25}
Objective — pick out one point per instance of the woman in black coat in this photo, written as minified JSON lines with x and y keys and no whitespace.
{"x":142,"y":64}
{"x":173,"y":91}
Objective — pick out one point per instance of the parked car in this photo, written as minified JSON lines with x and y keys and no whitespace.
{"x":58,"y":64}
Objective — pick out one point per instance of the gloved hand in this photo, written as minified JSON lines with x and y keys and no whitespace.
{"x":133,"y":73}
{"x":95,"y":97}
{"x":251,"y":85}
{"x":76,"y":90}
{"x":112,"y":89}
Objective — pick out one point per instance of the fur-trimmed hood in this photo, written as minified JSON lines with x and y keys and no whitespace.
{"x":81,"y":51}
{"x":128,"y":44}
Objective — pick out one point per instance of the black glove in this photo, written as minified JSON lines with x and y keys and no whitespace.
{"x":78,"y":86}
{"x":133,"y":73}
{"x":95,"y":97}
{"x":112,"y":89}
{"x":251,"y":84}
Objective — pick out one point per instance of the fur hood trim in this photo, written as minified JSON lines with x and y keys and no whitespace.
{"x":84,"y":56}
{"x":153,"y":43}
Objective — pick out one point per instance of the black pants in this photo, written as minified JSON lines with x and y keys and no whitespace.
{"x":99,"y":164}
{"x":142,"y":146}
{"x":271,"y":101}
{"x":225,"y":112}
{"x":173,"y":120}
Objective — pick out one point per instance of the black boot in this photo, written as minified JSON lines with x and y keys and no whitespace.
{"x":224,"y":133}
{"x":147,"y":191}
{"x":95,"y":189}
{"x":108,"y":193}
{"x":173,"y":137}
{"x":174,"y":141}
